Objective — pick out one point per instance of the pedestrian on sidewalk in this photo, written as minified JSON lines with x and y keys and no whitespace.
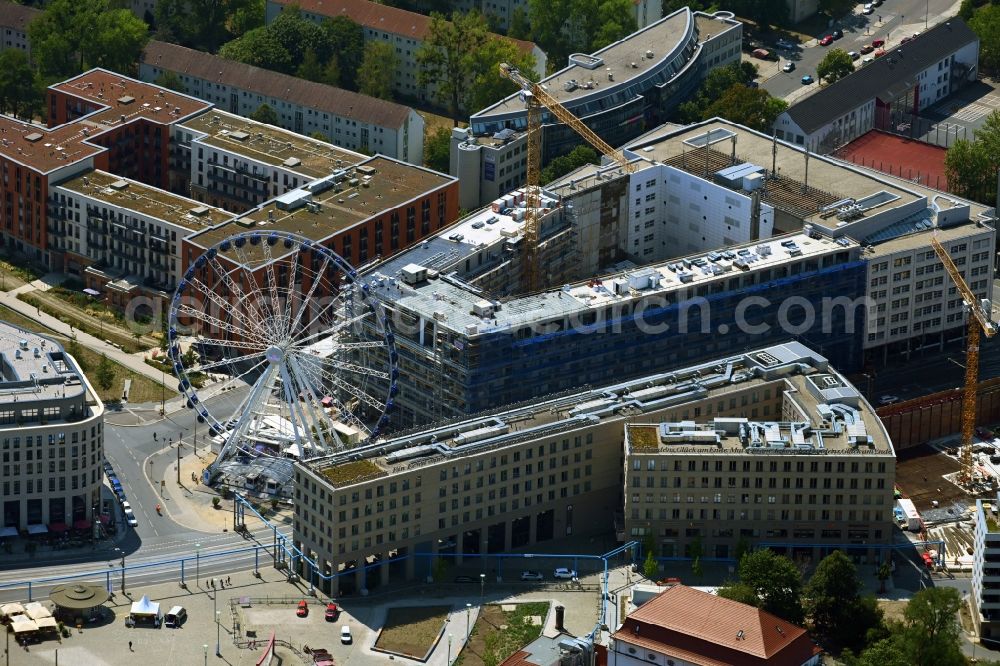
{"x":229,"y":581}
{"x":130,"y":647}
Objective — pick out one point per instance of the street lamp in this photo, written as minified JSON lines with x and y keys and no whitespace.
{"x":468,"y":628}
{"x":482,"y":587}
{"x":205,"y":648}
{"x":197,"y":564}
{"x":448,"y":663}
{"x":119,"y":550}
{"x":218,"y":629}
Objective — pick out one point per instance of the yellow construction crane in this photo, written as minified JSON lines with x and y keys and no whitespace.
{"x":979,"y":322}
{"x":535,"y":97}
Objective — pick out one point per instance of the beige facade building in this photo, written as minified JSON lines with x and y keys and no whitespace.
{"x":51,"y":434}
{"x":565,"y":465}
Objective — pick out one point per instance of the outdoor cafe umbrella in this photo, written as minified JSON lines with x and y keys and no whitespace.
{"x":79,"y":596}
{"x":11,"y":609}
{"x":37,"y":611}
{"x":22,"y":623}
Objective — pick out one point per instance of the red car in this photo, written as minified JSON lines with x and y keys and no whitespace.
{"x":877,"y":43}
{"x":332,"y":611}
{"x":826,"y":41}
{"x":302,"y":610}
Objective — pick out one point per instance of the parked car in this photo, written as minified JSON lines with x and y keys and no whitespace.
{"x":786,"y":44}
{"x":877,"y":43}
{"x":130,"y":518}
{"x":854,"y":55}
{"x":331,"y":613}
{"x":868,"y":59}
{"x":564,"y":573}
{"x":764,"y":54}
{"x":345,"y":635}
{"x":826,"y":41}
{"x":126,"y":506}
{"x":984,"y":434}
{"x":837,"y":34}
{"x":789,"y":66}
{"x":867,"y":48}
{"x":464,"y":579}
{"x":905,"y":39}
{"x":879,"y":53}
{"x":868,"y":9}
{"x":807,"y":79}
{"x":302,"y":610}
{"x":888,"y":400}
{"x":532,"y":575}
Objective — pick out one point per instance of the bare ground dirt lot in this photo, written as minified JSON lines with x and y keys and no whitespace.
{"x":920,"y":475}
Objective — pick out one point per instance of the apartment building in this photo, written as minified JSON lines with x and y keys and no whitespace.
{"x":14,"y":20}
{"x":51,"y":427}
{"x":619,"y":91}
{"x":553,"y":467}
{"x":237,"y":163}
{"x":346,"y":119}
{"x":362,"y":211}
{"x":122,"y":237}
{"x":985,"y":597}
{"x":885,"y":92}
{"x":684,"y":625}
{"x":403,"y":30}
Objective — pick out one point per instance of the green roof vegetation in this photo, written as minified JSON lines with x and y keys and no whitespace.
{"x":644,"y":438}
{"x":991,"y":524}
{"x":353,"y":472}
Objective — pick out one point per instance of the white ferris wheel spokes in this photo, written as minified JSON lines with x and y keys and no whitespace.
{"x":287,"y":321}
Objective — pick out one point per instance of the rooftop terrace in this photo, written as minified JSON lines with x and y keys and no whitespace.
{"x":43,"y":149}
{"x":838,"y":418}
{"x":379,"y":184}
{"x":271,"y":145}
{"x":107,"y":188}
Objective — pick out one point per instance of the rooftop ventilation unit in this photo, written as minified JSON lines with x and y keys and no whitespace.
{"x":200,"y":211}
{"x":239,"y":136}
{"x":126,"y":99}
{"x":33,"y":137}
{"x":119,"y":185}
{"x":292,"y":162}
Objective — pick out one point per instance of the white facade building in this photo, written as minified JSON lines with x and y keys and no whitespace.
{"x":885,"y":92}
{"x":344,"y":118}
{"x":14,"y":20}
{"x":986,"y":571}
{"x":51,"y":432}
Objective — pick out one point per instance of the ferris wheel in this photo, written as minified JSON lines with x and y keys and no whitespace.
{"x":289,"y":323}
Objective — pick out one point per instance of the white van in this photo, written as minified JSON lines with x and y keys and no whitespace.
{"x":345,"y":634}
{"x":175,"y":617}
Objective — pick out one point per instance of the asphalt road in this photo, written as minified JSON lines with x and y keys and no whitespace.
{"x":139,"y":461}
{"x":858,"y":30}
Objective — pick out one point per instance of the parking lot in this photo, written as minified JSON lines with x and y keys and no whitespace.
{"x":959,"y":116}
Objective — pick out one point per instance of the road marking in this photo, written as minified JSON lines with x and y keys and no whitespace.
{"x":972,"y":112}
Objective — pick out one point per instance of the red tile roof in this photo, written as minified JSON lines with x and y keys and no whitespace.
{"x":691,"y":623}
{"x":379,"y":17}
{"x":17,"y":16}
{"x":264,"y":82}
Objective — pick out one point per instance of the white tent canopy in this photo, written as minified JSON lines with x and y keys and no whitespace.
{"x":47,"y":622}
{"x":145,"y":607}
{"x":37,"y":611}
{"x":22,"y":623}
{"x":11,"y":609}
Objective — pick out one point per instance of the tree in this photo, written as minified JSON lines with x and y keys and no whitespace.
{"x":562,"y":27}
{"x":297,"y":34}
{"x":770,"y":582}
{"x":967,"y":168}
{"x":564,"y":164}
{"x":377,"y":72}
{"x":76,"y":351}
{"x":834,"y":603}
{"x":932,"y":634}
{"x":259,"y":48}
{"x":986,"y":24}
{"x":437,"y":149}
{"x":203,"y":24}
{"x":105,"y":373}
{"x":696,"y":568}
{"x":488,"y":85}
{"x":347,"y":41}
{"x":886,"y":652}
{"x":311,"y":68}
{"x":445,"y":57}
{"x":248,"y":17}
{"x":883,"y":573}
{"x":171,"y":81}
{"x":19,"y":90}
{"x":742,"y":548}
{"x":70,"y":36}
{"x":836,"y":64}
{"x":519,"y":27}
{"x":265,"y":114}
{"x":650,"y":567}
{"x":836,"y":8}
{"x":753,"y":107}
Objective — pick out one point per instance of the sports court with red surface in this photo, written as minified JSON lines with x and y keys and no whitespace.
{"x":898,"y":156}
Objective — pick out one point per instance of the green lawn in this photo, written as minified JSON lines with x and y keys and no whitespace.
{"x":498,"y":634}
{"x":143,"y":389}
{"x":412,"y":631}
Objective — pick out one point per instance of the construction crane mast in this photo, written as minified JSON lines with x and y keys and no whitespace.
{"x":979,"y":322}
{"x":535,"y":97}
